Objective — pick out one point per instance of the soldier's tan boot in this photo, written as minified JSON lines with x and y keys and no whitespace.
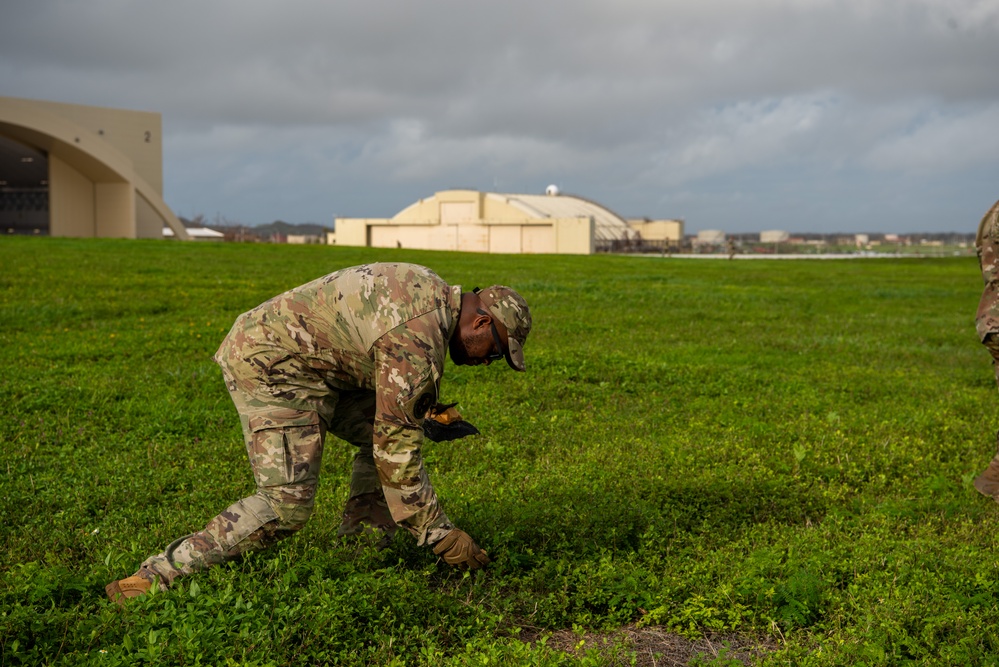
{"x":987,"y":483}
{"x":129,"y":587}
{"x":367,"y":516}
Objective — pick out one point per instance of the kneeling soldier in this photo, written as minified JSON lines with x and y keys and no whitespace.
{"x":360,"y":354}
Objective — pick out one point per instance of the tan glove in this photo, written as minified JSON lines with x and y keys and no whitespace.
{"x":457,"y":548}
{"x":445,"y":413}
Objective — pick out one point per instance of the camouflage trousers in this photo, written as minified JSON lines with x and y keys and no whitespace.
{"x":987,"y":318}
{"x":284,"y":429}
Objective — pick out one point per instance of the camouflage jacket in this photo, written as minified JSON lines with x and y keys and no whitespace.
{"x":378,"y":327}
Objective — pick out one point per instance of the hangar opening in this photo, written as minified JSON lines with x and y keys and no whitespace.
{"x":24,"y":189}
{"x":83,"y":171}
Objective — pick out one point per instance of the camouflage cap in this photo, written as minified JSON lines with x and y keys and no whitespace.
{"x":509,"y":308}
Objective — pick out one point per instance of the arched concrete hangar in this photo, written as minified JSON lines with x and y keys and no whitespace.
{"x":475,"y":221}
{"x":72,"y":170}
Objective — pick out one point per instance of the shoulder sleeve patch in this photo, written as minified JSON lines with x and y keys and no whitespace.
{"x":424,"y":403}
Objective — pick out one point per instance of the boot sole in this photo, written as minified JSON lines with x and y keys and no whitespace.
{"x":121,"y":590}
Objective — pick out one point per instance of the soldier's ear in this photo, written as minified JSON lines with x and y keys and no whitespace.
{"x":482,"y":319}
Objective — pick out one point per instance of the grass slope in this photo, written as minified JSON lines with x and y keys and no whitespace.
{"x":779,"y":450}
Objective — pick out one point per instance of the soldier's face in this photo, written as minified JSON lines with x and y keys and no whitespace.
{"x":478,"y":344}
{"x":471,"y":349}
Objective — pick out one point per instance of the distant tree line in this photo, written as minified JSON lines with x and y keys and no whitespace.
{"x":278,"y":229}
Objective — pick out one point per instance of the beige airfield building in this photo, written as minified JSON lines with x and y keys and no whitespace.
{"x":668,"y":232}
{"x":490,"y":222}
{"x":74,"y":170}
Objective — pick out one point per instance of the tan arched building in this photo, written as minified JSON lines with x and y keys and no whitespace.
{"x":473,"y":221}
{"x":72,"y":170}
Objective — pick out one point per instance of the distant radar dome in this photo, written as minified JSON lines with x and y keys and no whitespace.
{"x":552,"y":190}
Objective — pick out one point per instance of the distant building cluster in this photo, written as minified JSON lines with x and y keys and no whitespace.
{"x":541,"y":224}
{"x":275,"y":232}
{"x":473,"y":221}
{"x":782,"y":241}
{"x":71,"y":170}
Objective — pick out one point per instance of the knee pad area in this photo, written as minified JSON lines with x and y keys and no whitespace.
{"x":292,"y":504}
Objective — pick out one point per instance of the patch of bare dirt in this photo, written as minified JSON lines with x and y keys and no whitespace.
{"x":654,"y":647}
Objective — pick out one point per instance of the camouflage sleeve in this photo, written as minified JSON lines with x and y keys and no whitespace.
{"x":408,"y":367}
{"x":987,"y":240}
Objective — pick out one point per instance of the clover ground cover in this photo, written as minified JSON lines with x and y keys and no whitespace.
{"x":778,"y":451}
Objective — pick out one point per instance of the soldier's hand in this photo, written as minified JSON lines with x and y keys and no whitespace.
{"x":444,"y":423}
{"x":457,"y":548}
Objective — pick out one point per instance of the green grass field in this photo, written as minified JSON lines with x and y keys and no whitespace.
{"x":766,"y":453}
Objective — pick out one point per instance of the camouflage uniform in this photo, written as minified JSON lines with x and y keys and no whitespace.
{"x":987,"y":320}
{"x":358,"y":353}
{"x":987,"y":323}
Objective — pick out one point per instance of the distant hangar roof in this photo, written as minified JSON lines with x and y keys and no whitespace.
{"x":609,"y":226}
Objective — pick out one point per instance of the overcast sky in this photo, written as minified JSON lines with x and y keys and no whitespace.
{"x":740,"y":115}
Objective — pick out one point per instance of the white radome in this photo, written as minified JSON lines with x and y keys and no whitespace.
{"x":552,"y":190}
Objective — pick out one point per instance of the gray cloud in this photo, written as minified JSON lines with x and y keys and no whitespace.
{"x":872,"y":115}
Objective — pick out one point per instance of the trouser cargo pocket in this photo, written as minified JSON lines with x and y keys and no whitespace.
{"x":285,"y":448}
